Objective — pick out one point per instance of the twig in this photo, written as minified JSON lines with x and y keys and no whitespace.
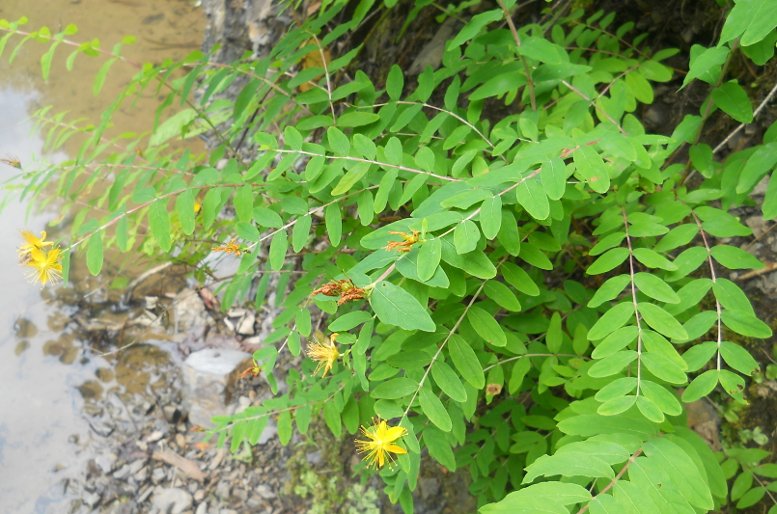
{"x":526,"y":69}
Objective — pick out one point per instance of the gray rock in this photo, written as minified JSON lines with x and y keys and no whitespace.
{"x":223,"y":490}
{"x":265,"y":491}
{"x":172,"y":501}
{"x":202,"y":508}
{"x":209,"y":376}
{"x":105,"y":461}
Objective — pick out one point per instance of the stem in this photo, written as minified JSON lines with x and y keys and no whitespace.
{"x":526,"y":68}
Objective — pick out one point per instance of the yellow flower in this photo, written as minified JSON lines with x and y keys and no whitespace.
{"x":324,"y":352}
{"x":46,"y":266}
{"x":380,"y":438}
{"x":34,"y":247}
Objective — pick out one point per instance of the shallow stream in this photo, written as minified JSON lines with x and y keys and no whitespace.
{"x":47,"y":374}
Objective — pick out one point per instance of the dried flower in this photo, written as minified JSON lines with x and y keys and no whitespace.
{"x":47,"y":267}
{"x":493,"y":389}
{"x":324,"y":352}
{"x":231,"y":247}
{"x":254,"y":370}
{"x":34,"y":246}
{"x":13,"y":161}
{"x":345,"y":289}
{"x":379,"y":444}
{"x":406,"y":244}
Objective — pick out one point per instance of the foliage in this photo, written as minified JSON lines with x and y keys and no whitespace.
{"x":519,"y":274}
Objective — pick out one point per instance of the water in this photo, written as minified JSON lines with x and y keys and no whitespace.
{"x":45,"y":438}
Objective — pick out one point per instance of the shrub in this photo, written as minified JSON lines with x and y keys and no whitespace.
{"x":519,"y":293}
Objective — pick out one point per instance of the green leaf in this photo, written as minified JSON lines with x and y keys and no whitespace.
{"x":532,"y":197}
{"x":466,"y":361}
{"x":491,"y":216}
{"x":338,"y":141}
{"x":735,"y":258}
{"x":486,"y":326}
{"x":609,"y":290}
{"x":300,"y":233}
{"x":665,"y":368}
{"x":568,"y":464}
{"x":655,"y":287}
{"x":94,"y":253}
{"x":278,"y":247}
{"x":733,"y":100}
{"x":244,"y":202}
{"x":331,"y":417}
{"x":447,"y":380}
{"x":184,"y":206}
{"x":760,"y":162}
{"x":616,"y":405}
{"x":395,"y":82}
{"x":678,"y":236}
{"x":473,"y":26}
{"x":429,"y":259}
{"x":701,"y":386}
{"x":665,"y":400}
{"x":611,"y":321}
{"x":613,"y":364}
{"x":709,"y":59}
{"x":439,"y":447}
{"x":434,"y":410}
{"x":652,"y":259}
{"x":738,"y":358}
{"x":334,"y":223}
{"x":661,"y":321}
{"x":519,"y":279}
{"x":395,"y":306}
{"x":746,"y":324}
{"x":267,"y":218}
{"x":690,"y":481}
{"x":508,"y":234}
{"x":502,"y":295}
{"x":608,"y":261}
{"x":99,"y":79}
{"x":553,"y":176}
{"x":615,"y":342}
{"x":349,"y":321}
{"x":159,"y":223}
{"x":591,"y":167}
{"x":357,"y":119}
{"x":466,"y":236}
{"x":751,"y":19}
{"x":531,"y":254}
{"x":394,"y":389}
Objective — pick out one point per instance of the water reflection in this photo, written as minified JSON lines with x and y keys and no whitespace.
{"x":49,"y":377}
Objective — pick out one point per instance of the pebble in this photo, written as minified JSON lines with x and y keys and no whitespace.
{"x":199,"y":495}
{"x":105,"y":462}
{"x":265,"y":492}
{"x":172,"y":501}
{"x":223,"y":490}
{"x":202,"y":508}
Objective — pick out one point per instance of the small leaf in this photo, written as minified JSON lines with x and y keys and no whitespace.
{"x":278,"y":247}
{"x":661,"y":321}
{"x":395,"y":306}
{"x":334,"y":223}
{"x":733,"y":100}
{"x":609,"y":261}
{"x":447,"y":380}
{"x":701,"y":386}
{"x":465,"y":237}
{"x":429,"y":259}
{"x":486,"y":326}
{"x":299,"y":235}
{"x":466,"y":361}
{"x":159,"y":223}
{"x":395,"y":82}
{"x":94,"y":253}
{"x":434,"y":410}
{"x":394,"y":388}
{"x":491,"y":216}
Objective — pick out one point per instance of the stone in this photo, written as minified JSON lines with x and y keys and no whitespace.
{"x":202,"y":508}
{"x":189,"y":312}
{"x":172,"y":501}
{"x":265,"y":491}
{"x":105,"y":462}
{"x":223,"y":490}
{"x":209,"y":377}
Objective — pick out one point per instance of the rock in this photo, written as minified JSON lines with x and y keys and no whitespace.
{"x":172,"y":501}
{"x":265,"y":491}
{"x":209,"y":376}
{"x":704,"y":420}
{"x":314,"y":458}
{"x":429,"y":487}
{"x":105,"y":462}
{"x":202,"y":508}
{"x":199,"y":495}
{"x":91,"y":499}
{"x":222,"y":490}
{"x":189,"y":312}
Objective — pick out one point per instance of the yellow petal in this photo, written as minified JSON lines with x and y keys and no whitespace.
{"x":396,"y":449}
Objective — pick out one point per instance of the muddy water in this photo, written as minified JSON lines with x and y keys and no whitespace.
{"x":46,"y":372}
